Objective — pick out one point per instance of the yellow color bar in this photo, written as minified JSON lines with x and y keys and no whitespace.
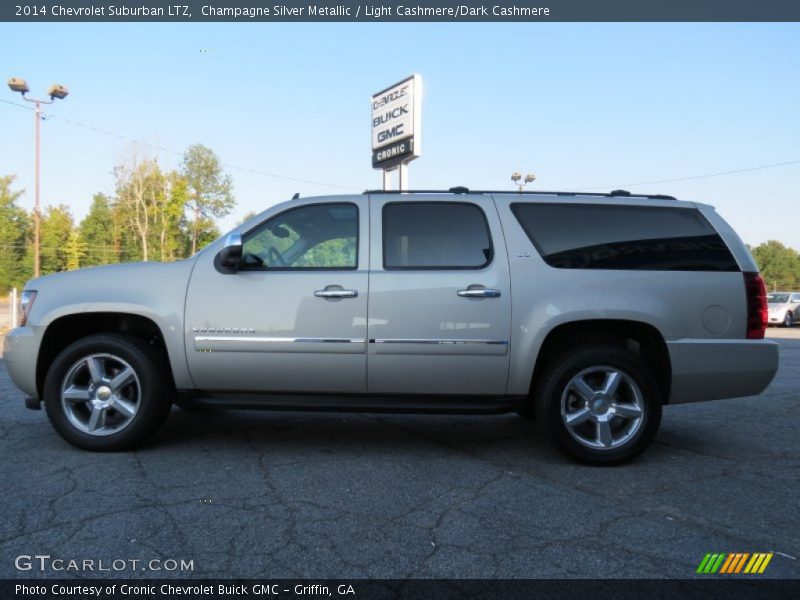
{"x":765,"y":563}
{"x":753,"y":564}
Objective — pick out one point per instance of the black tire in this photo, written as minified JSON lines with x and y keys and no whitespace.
{"x":788,"y":320}
{"x":153,"y":382}
{"x":552,"y":385}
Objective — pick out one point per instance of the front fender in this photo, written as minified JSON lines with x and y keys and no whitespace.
{"x":155,"y":291}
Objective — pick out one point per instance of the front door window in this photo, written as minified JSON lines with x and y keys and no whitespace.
{"x":318,"y":236}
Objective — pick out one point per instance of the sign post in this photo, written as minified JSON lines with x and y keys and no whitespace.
{"x":14,"y":304}
{"x":397,"y":128}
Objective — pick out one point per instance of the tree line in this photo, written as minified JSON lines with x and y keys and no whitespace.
{"x":779,"y":265}
{"x":154,"y":214}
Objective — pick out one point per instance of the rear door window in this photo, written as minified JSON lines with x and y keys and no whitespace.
{"x":435,"y":235}
{"x":598,"y":236}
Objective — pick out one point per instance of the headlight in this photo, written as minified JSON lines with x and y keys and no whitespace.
{"x":26,"y":299}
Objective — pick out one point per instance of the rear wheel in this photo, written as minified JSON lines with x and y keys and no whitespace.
{"x":107,"y":392}
{"x":599,"y":404}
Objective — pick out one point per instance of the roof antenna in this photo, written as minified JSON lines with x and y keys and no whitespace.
{"x":296,"y":196}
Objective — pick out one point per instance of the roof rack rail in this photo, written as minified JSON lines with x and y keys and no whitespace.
{"x":464,"y":190}
{"x":460,"y":189}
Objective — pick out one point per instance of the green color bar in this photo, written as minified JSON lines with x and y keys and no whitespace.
{"x":703,"y":563}
{"x":711,"y":562}
{"x":718,"y":564}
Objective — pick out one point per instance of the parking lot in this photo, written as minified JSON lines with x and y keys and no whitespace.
{"x":254,"y":494}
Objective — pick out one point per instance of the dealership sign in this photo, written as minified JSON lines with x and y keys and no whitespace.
{"x":396,"y":120}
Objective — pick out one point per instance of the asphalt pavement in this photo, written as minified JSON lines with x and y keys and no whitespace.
{"x":302,"y":495}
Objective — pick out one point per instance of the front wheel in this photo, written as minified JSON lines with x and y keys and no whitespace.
{"x":788,"y":320}
{"x":107,"y":392}
{"x":599,"y":404}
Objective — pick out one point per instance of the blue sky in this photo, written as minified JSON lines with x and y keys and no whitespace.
{"x":595,"y":106}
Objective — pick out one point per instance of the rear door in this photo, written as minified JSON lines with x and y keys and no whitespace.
{"x":440,"y":305}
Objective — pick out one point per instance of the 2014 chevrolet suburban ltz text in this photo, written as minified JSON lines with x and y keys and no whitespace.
{"x":586,"y":312}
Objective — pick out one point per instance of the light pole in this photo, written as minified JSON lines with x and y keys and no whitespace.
{"x":517,"y":176}
{"x":56,"y":91}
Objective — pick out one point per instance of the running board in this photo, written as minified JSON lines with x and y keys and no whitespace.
{"x":455,"y":405}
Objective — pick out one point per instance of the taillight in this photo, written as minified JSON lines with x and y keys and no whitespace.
{"x":756,"y":306}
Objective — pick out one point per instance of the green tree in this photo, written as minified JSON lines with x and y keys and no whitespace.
{"x":169,"y":217}
{"x":140,"y":191}
{"x":779,"y":265}
{"x":75,"y":249}
{"x":210,"y":191}
{"x":55,"y":233}
{"x":207,"y":232}
{"x":100,"y":234}
{"x":13,"y":236}
{"x":247,"y":217}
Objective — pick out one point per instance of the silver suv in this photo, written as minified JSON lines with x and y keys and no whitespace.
{"x":587,"y":312}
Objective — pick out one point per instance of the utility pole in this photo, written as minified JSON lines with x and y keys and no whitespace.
{"x":56,"y":91}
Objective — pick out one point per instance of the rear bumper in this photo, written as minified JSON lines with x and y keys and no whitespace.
{"x":713,"y":369}
{"x":19,"y":354}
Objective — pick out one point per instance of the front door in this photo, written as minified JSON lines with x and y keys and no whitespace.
{"x":440,"y":300}
{"x":293,"y":318}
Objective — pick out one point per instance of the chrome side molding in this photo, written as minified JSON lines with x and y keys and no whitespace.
{"x":438,"y":341}
{"x":277,"y":340}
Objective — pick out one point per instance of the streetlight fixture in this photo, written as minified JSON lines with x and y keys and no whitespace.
{"x":516,"y":177}
{"x":56,"y":91}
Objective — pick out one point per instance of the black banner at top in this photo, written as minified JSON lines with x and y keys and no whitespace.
{"x":398,"y":10}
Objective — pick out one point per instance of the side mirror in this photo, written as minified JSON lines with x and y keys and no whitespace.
{"x":228,"y":259}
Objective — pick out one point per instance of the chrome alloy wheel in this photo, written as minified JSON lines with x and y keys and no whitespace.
{"x":602,"y":407}
{"x":101,"y":394}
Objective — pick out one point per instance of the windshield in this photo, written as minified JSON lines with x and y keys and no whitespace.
{"x":777,"y":298}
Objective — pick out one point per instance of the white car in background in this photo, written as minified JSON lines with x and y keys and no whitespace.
{"x":783,"y":308}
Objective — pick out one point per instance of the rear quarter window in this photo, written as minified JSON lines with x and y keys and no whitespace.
{"x":606,"y":236}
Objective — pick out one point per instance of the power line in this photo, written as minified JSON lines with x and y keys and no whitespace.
{"x":674,"y":180}
{"x":176,"y":153}
{"x":58,"y":248}
{"x":348,"y":187}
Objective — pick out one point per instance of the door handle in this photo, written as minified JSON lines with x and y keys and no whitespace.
{"x":479,"y":293}
{"x":336,"y":293}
